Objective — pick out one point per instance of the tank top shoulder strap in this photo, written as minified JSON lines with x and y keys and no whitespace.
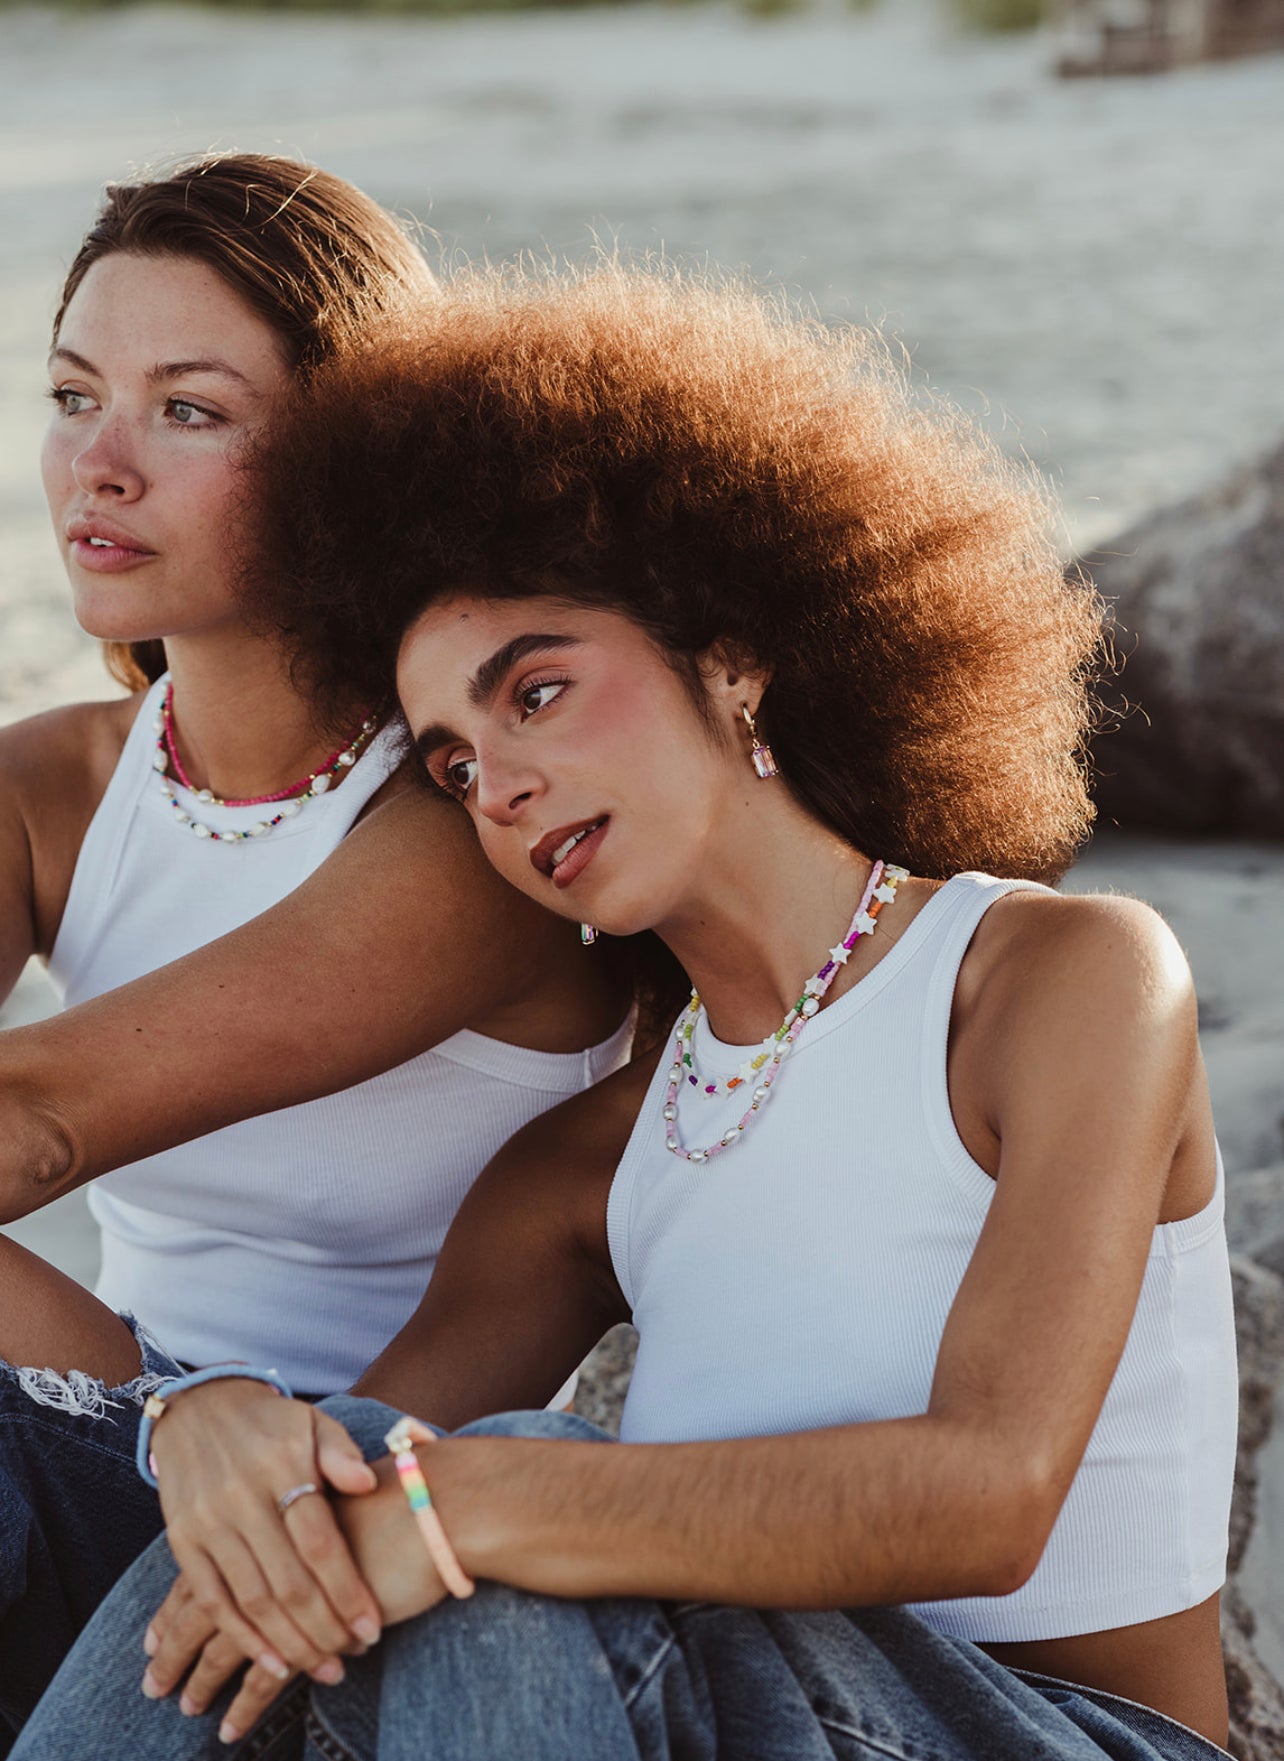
{"x":100,"y":853}
{"x":965,"y":899}
{"x":970,"y":896}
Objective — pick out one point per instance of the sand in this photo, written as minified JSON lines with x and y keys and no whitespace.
{"x":1091,"y":268}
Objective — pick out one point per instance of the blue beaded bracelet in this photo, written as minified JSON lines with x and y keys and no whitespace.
{"x":160,"y":1398}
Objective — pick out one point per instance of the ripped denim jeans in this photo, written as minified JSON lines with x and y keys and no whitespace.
{"x":73,"y":1513}
{"x":509,"y":1676}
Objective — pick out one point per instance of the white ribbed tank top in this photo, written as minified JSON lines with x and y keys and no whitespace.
{"x":305,"y":1237}
{"x":803,"y":1279}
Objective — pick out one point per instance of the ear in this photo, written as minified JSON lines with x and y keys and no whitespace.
{"x":732,"y":677}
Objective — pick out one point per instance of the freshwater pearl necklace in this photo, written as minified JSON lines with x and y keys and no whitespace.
{"x":293,"y":798}
{"x":880,"y":890}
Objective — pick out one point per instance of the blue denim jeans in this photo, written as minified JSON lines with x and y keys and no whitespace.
{"x":507,"y":1675}
{"x":73,"y":1514}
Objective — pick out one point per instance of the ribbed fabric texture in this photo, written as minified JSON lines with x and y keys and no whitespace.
{"x":306,"y":1236}
{"x":803,"y":1279}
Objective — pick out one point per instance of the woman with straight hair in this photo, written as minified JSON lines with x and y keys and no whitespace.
{"x":278,"y":950}
{"x":709,"y":628}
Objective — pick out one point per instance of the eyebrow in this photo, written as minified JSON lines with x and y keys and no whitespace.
{"x":163,"y":370}
{"x":491,"y":674}
{"x":485,"y":682}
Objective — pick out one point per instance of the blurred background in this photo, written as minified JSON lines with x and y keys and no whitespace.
{"x":1070,"y":216}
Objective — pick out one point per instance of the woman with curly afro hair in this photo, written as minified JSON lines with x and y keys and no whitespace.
{"x":713,"y":631}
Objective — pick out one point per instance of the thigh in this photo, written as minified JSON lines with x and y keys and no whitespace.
{"x":878,"y":1683}
{"x":73,"y":1512}
{"x":49,"y":1321}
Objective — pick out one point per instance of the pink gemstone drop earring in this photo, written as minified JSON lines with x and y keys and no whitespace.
{"x":588,"y":934}
{"x":763,"y":758}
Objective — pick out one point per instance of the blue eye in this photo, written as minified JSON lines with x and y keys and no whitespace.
{"x":189,"y":415}
{"x":71,"y":403}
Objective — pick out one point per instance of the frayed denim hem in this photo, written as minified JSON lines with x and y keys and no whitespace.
{"x":87,"y":1396}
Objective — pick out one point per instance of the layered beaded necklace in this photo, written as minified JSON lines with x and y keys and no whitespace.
{"x":764,"y":1066}
{"x":293,"y":798}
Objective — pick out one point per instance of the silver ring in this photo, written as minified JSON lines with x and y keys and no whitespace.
{"x":286,"y":1499}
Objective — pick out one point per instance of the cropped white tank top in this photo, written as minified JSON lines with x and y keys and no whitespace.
{"x":804,"y":1278}
{"x":305,"y":1237}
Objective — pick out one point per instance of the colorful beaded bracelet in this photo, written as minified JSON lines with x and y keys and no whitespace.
{"x":403,"y":1434}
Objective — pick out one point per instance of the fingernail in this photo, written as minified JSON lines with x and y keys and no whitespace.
{"x":151,"y":1687}
{"x":188,"y":1707}
{"x":228,"y":1733}
{"x":330,"y":1672}
{"x":273,"y":1664}
{"x":367,"y":1630}
{"x":151,"y":1641}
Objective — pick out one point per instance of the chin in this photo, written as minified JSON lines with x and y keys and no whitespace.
{"x":113,"y":622}
{"x":624,"y":917}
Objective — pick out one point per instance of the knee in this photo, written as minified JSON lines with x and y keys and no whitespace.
{"x":365,"y":1420}
{"x":560,"y":1426}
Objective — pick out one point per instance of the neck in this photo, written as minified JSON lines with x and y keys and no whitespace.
{"x":779,"y":892}
{"x":242,"y":728}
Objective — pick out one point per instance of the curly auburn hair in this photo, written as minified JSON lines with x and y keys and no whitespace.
{"x":721,"y":471}
{"x":315,"y":257}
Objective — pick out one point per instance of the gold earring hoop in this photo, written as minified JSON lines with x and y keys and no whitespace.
{"x":764,"y":761}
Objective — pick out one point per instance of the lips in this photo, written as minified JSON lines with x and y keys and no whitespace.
{"x":563,"y":854}
{"x":101,"y":547}
{"x":105,"y":535}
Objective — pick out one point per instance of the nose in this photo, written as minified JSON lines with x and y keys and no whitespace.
{"x":105,"y":465}
{"x":504,"y":789}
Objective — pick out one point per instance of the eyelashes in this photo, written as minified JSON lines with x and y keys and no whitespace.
{"x":528,"y":699}
{"x":198,"y":417}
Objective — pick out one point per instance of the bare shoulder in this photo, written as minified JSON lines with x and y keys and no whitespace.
{"x":408,"y":817}
{"x":54,"y":771}
{"x":413,"y":844}
{"x":79,"y":741}
{"x":1052,"y":951}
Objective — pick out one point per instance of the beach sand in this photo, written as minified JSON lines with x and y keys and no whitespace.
{"x":1091,"y":268}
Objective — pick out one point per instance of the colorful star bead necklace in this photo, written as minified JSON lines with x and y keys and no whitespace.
{"x":880,"y":890}
{"x":293,"y":799}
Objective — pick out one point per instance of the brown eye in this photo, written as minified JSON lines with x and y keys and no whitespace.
{"x":461,"y":775}
{"x":537,"y":697}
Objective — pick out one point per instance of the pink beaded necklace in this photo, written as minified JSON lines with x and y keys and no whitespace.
{"x":294,"y":797}
{"x":880,"y":890}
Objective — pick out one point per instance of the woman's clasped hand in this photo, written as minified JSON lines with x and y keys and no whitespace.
{"x":281,"y":1586}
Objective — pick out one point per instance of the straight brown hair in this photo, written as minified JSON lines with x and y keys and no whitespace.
{"x":312,"y":255}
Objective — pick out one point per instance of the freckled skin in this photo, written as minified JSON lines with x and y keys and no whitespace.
{"x":411,"y":935}
{"x":124,"y":445}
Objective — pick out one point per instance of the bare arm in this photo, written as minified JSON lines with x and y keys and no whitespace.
{"x":401,"y":938}
{"x":1092,"y":1056}
{"x":1089,"y":1086}
{"x":53,"y":770}
{"x":17,"y":928}
{"x":523,"y":1288}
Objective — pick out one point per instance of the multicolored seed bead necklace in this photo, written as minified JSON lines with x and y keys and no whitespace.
{"x":880,"y":890}
{"x":293,"y":799}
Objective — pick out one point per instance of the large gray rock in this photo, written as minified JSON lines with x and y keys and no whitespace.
{"x":1198,"y":594}
{"x":604,"y":1379}
{"x":1255,"y":1216}
{"x":1256,"y":1698}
